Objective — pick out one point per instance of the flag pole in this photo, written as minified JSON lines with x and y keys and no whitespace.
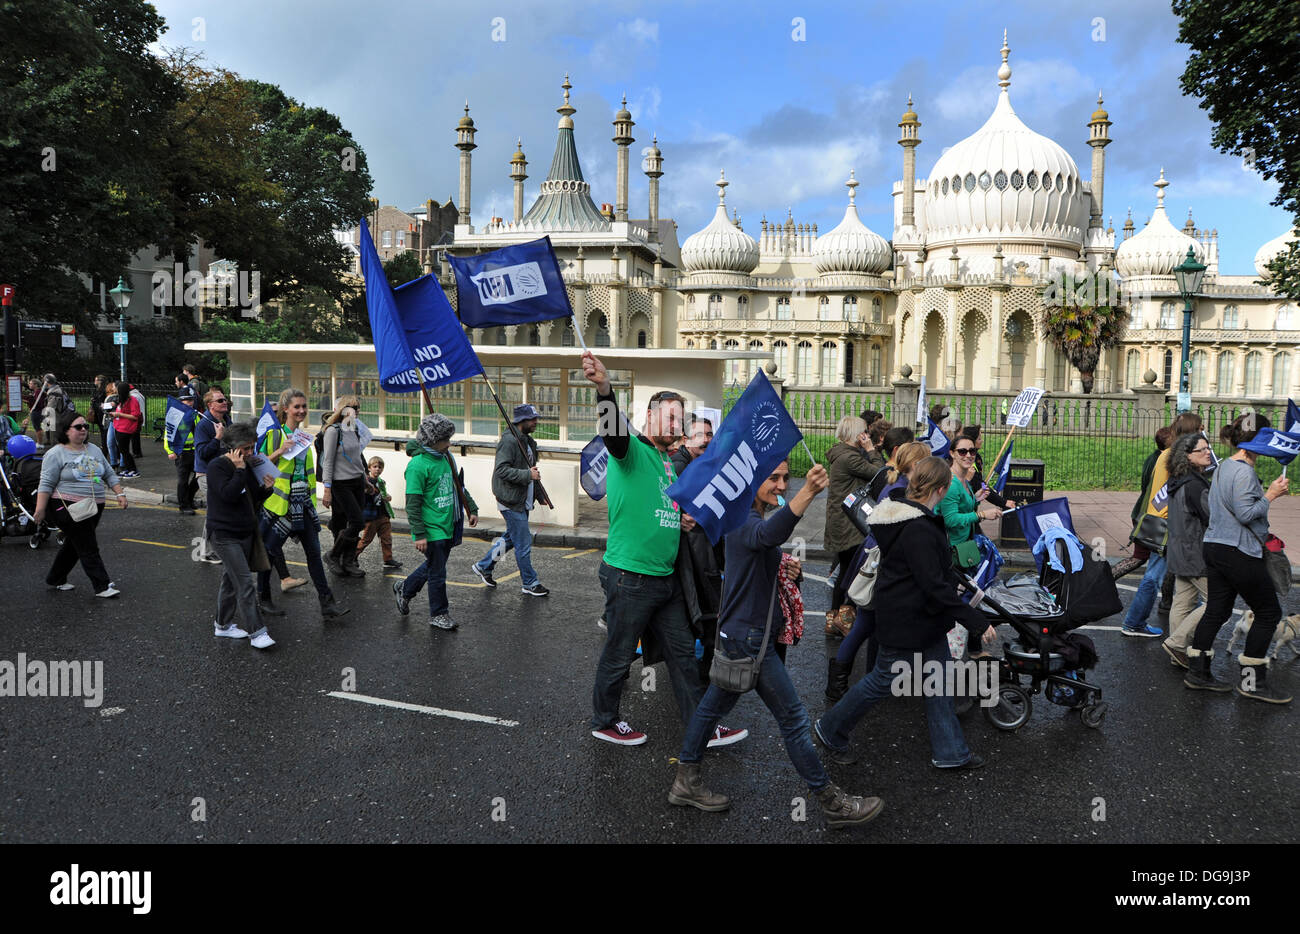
{"x":539,"y":491}
{"x":428,"y":401}
{"x":811,"y":459}
{"x":1006,"y":443}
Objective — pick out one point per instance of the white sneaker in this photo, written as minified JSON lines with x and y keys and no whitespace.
{"x":110,"y":592}
{"x":261,"y":639}
{"x":229,"y":631}
{"x":64,"y":586}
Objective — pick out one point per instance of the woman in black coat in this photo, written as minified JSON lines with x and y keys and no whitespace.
{"x":916,"y":581}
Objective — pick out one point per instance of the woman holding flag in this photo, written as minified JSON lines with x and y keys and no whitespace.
{"x":753,"y":562}
{"x":1235,"y":563}
{"x":290,"y":510}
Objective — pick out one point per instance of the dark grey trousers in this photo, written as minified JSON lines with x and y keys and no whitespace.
{"x":238,"y":590}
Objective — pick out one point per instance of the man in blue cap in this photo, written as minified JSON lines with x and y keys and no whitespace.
{"x":513,"y":485}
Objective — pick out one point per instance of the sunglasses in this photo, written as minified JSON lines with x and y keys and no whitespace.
{"x":82,"y":427}
{"x":963,"y":451}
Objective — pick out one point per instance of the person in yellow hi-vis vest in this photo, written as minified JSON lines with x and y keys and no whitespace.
{"x":1152,"y":530}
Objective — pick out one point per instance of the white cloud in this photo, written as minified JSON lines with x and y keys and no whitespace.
{"x":645,"y":106}
{"x":640,"y":30}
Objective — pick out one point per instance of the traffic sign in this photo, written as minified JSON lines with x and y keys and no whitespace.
{"x":119,"y":337}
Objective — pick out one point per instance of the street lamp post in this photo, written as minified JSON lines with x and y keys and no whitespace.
{"x":1188,"y":274}
{"x":121,"y":298}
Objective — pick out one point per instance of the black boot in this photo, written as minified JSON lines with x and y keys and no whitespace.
{"x":1199,"y":676}
{"x":837,"y":679}
{"x":350,"y":561}
{"x":1166,"y":602}
{"x":1254,"y":684}
{"x":330,"y":608}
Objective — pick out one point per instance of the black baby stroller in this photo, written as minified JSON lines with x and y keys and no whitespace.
{"x":1046,"y":655}
{"x":20,"y":475}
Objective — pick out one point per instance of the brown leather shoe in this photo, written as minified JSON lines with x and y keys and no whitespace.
{"x":688,"y":789}
{"x":845,"y":810}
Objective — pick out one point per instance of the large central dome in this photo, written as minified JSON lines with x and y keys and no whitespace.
{"x":1005,"y":182}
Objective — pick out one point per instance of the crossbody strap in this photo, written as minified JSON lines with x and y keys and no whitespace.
{"x":767,"y":629}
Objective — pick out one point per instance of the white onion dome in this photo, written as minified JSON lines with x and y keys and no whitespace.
{"x":1005,"y":181}
{"x":1269,"y":251}
{"x":852,"y":246}
{"x":721,"y":246}
{"x":1159,"y":246}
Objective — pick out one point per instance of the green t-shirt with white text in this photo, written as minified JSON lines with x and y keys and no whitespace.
{"x":644,"y":522}
{"x":430,"y":477}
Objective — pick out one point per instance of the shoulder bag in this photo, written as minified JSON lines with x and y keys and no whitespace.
{"x":1276,"y":562}
{"x":739,"y":675}
{"x":80,"y":510}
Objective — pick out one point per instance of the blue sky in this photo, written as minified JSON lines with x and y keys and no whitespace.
{"x":731,"y":86}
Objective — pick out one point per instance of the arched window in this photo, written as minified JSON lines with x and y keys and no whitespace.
{"x":1281,"y":374}
{"x":874,"y":361}
{"x":742,"y":306}
{"x":783,"y":308}
{"x":1169,"y":315}
{"x":1198,"y":379}
{"x":1231,"y":318}
{"x":877,"y":310}
{"x":1169,"y":369}
{"x":1227,"y":370}
{"x":1254,"y":373}
{"x":602,"y":331}
{"x":1132,"y":366}
{"x":850,"y":308}
{"x":715,"y":305}
{"x":824,"y":309}
{"x":803,"y":363}
{"x":1286,"y":318}
{"x":641,"y":339}
{"x":734,"y":371}
{"x":780,"y":356}
{"x":830,"y":364}
{"x":713,"y":345}
{"x":566,"y":335}
{"x":690,"y":345}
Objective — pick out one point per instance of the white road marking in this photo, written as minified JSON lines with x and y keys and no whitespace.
{"x":112,"y":711}
{"x":815,"y":577}
{"x":419,"y":708}
{"x":1126,"y":587}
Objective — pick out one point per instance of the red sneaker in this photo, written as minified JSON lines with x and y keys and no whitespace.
{"x":725,"y":736}
{"x":622,"y":734}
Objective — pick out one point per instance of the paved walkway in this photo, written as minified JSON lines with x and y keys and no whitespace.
{"x":1096,"y":514}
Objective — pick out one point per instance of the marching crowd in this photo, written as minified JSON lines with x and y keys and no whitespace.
{"x":666,"y":585}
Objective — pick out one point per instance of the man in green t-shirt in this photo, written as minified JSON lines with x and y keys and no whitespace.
{"x":641,"y":592}
{"x":434,"y":499}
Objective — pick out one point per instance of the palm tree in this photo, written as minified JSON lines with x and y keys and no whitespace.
{"x":1082,"y":318}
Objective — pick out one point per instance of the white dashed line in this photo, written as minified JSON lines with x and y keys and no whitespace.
{"x":419,"y":708}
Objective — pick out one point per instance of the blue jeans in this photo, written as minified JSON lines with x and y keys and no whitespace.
{"x":433,"y":572}
{"x":634,"y":603}
{"x":114,"y":457}
{"x":517,"y":536}
{"x":310,"y":541}
{"x":947,"y":743}
{"x":1147,"y":591}
{"x":777,"y":691}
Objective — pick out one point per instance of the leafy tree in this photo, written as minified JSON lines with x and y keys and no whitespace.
{"x":402,"y":268}
{"x":1245,"y":68}
{"x":1082,"y":318}
{"x":81,"y":117}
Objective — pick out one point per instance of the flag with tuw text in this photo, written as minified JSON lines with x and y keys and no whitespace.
{"x":512,"y":285}
{"x":718,"y":487}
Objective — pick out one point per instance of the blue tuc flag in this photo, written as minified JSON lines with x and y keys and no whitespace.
{"x":935,"y":437}
{"x":179,"y":418}
{"x":1292,"y":417}
{"x":1002,"y":468}
{"x":512,"y":285}
{"x":266,"y":421}
{"x":595,"y":463}
{"x":1270,"y":442}
{"x":757,"y":434}
{"x":413,"y":326}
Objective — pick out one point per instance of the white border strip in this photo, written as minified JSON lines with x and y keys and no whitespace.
{"x":418,"y":708}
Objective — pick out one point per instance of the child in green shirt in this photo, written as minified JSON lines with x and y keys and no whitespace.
{"x":377,"y":512}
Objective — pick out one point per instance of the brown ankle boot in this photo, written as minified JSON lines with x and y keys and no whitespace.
{"x":688,"y":788}
{"x":846,"y":810}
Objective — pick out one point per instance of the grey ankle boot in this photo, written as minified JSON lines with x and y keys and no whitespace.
{"x":1254,"y":683}
{"x":846,"y":810}
{"x":688,"y":789}
{"x":1199,"y":677}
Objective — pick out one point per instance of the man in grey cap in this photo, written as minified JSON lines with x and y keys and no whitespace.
{"x":513,"y":484}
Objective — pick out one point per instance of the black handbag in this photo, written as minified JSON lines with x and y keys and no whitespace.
{"x":1152,"y":531}
{"x":739,"y":675}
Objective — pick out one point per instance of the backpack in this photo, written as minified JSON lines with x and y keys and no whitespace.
{"x":864,"y":584}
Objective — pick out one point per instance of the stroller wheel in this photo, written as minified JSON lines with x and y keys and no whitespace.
{"x":35,"y":541}
{"x":1092,"y":715}
{"x":1013,"y":708}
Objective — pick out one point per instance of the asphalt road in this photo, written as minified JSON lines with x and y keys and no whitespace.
{"x":253,"y":742}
